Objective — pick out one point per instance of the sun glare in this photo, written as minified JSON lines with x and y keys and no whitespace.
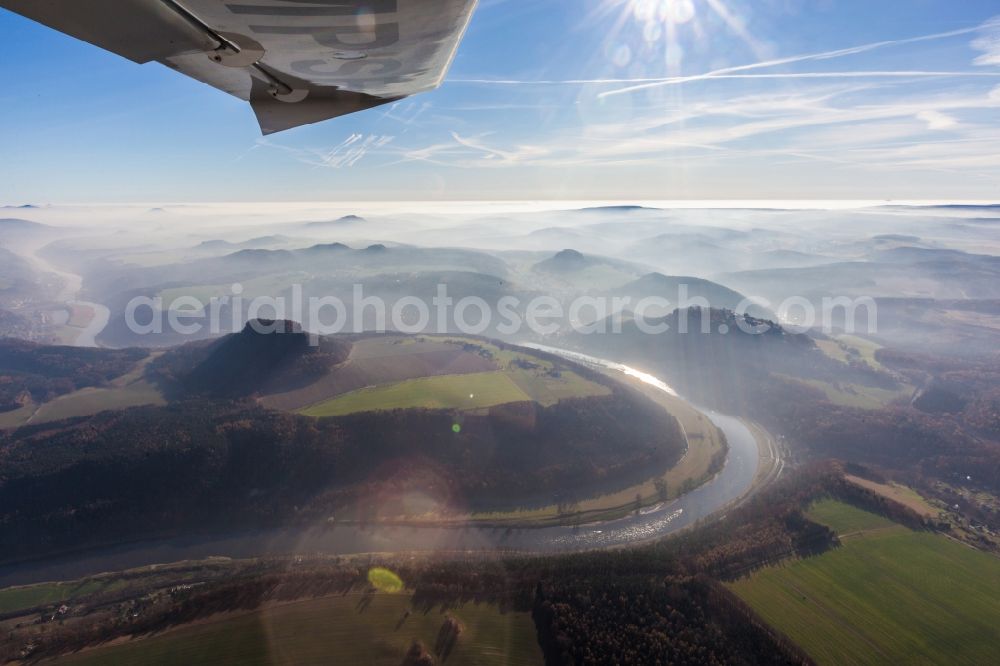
{"x":665,"y":26}
{"x":662,"y":11}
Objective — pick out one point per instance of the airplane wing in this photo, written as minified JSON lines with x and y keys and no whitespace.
{"x":296,"y":61}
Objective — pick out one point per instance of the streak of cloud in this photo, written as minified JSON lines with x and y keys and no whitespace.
{"x":723,"y":77}
{"x":347,"y":153}
{"x":790,"y":60}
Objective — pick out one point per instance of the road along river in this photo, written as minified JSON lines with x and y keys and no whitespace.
{"x":732,"y":483}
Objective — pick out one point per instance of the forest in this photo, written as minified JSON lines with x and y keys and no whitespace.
{"x":98,"y":479}
{"x":29,"y":371}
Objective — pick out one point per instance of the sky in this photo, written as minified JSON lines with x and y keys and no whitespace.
{"x":557,"y":99}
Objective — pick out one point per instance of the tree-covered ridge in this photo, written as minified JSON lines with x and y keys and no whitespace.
{"x":30,"y":371}
{"x":203,"y":464}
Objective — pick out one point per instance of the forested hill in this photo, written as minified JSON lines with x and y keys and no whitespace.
{"x":202,"y":464}
{"x":29,"y":371}
{"x":715,"y":356}
{"x":265,"y":355}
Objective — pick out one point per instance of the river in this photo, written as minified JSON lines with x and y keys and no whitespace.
{"x":735,"y":480}
{"x":71,"y":287}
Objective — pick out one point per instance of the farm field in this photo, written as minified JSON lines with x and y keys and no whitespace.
{"x":350,"y":629}
{"x":905,"y":496}
{"x":129,"y":390}
{"x":448,"y":392}
{"x":438,"y":373}
{"x":17,"y":598}
{"x":888,"y":594}
{"x":93,"y":400}
{"x":856,"y":395}
{"x":262,"y":286}
{"x":844,"y":348}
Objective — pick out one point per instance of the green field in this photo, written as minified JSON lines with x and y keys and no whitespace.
{"x":886,"y":595}
{"x":845,"y":347}
{"x":468,"y":391}
{"x":18,"y":598}
{"x":483,"y":389}
{"x":93,"y":400}
{"x":855,"y":395}
{"x":268,"y":285}
{"x":129,"y":390}
{"x":351,"y":629}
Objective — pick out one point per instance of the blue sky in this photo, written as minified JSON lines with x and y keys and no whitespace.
{"x":770,"y":99}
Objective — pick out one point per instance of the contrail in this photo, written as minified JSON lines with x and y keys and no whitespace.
{"x":823,"y":55}
{"x":684,"y":79}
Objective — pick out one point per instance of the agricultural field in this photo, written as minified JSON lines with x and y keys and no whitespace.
{"x":80,"y":316}
{"x":846,"y":348}
{"x":93,"y":400}
{"x":855,"y":395}
{"x":17,"y":417}
{"x":476,"y":391}
{"x":129,"y":390}
{"x":887,"y":594}
{"x":267,"y":285}
{"x":898,"y":493}
{"x":29,"y":596}
{"x":434,"y":373}
{"x":351,"y":629}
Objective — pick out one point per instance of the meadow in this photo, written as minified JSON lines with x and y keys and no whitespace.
{"x":351,"y":629}
{"x":472,"y":391}
{"x":887,"y":594}
{"x":129,"y":390}
{"x":484,"y":376}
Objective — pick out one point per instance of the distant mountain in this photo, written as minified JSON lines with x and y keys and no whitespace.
{"x":786,"y":259}
{"x":14,"y":230}
{"x":262,"y":242}
{"x":959,"y":206}
{"x":266,"y":241}
{"x":14,"y":267}
{"x":15,"y":224}
{"x":898,"y":238}
{"x":566,"y":261}
{"x":339,"y":222}
{"x":673,"y":288}
{"x":376,"y":257}
{"x":326,"y":247}
{"x":900,"y":272}
{"x":215,"y":244}
{"x":932,"y":255}
{"x":615,"y":209}
{"x":265,"y":356}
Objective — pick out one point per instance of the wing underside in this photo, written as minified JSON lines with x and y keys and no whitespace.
{"x":296,"y":61}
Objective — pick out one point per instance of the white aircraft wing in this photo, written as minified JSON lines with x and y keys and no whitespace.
{"x":296,"y":61}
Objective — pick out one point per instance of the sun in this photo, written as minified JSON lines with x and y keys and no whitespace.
{"x":663,"y":11}
{"x":666,"y":24}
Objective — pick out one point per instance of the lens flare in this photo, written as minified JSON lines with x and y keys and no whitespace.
{"x":665,"y":24}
